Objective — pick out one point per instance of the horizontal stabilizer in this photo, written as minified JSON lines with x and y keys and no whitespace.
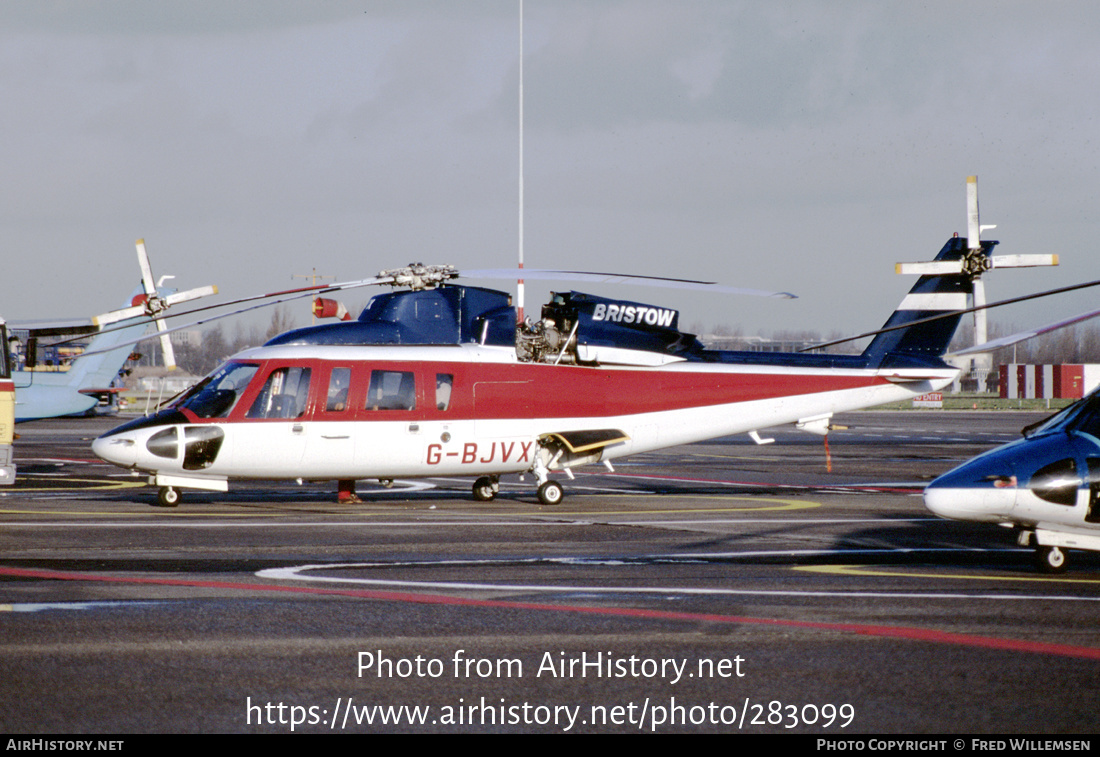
{"x":587,"y":441}
{"x":915,"y":376}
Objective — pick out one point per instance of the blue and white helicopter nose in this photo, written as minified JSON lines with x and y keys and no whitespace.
{"x":983,"y":489}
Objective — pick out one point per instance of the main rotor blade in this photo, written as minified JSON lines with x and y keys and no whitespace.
{"x":275,"y":298}
{"x":284,"y":295}
{"x":953,"y":313}
{"x":1008,"y":341}
{"x":291,"y":294}
{"x":614,"y":278}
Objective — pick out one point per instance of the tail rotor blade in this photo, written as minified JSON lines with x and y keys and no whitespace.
{"x":191,"y":294}
{"x":147,"y":280}
{"x":168,"y":353}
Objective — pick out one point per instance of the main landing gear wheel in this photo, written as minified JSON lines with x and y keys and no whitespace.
{"x":551,"y":493}
{"x":484,"y":491}
{"x":168,"y":496}
{"x":1051,"y":559}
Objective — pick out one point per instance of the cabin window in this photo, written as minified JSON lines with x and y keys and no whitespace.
{"x":338,"y":383}
{"x":284,"y":394}
{"x":443,"y":384}
{"x":215,"y":397}
{"x":391,"y":390}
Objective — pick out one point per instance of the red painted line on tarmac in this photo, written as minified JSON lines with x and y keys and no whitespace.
{"x":894,"y":632}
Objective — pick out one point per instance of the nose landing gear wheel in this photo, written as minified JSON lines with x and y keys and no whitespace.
{"x":551,"y":493}
{"x":1051,"y":559}
{"x":168,"y":496}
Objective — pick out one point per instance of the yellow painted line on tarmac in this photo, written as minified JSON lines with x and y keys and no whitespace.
{"x":152,"y":512}
{"x":858,"y":570}
{"x":770,"y":504}
{"x":93,"y":484}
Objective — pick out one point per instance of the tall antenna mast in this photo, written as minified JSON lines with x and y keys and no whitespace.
{"x":519,"y":281}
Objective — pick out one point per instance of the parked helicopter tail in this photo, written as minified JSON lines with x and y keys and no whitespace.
{"x":924,"y":324}
{"x":51,"y":393}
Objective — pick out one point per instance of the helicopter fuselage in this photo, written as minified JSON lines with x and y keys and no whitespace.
{"x":355,"y":412}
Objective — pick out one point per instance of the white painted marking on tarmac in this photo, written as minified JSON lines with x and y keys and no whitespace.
{"x":43,"y":606}
{"x":296,"y":574}
{"x":545,"y":520}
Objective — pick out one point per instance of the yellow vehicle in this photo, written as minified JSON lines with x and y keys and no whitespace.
{"x":7,"y":410}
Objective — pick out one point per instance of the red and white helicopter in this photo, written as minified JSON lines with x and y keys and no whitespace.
{"x":435,"y":379}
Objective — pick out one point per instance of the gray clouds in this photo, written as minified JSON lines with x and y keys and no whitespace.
{"x":802,"y":146}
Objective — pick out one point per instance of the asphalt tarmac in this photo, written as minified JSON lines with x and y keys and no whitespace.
{"x":718,"y":587}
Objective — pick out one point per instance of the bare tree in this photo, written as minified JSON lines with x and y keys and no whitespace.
{"x":281,"y":320}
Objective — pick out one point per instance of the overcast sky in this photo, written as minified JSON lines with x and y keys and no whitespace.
{"x":801,"y":146}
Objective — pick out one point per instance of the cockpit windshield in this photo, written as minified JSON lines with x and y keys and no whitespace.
{"x":215,"y":396}
{"x":1082,"y":415}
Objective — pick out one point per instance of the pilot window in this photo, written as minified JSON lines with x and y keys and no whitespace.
{"x":391,"y":390}
{"x":338,"y":382}
{"x":443,"y":384}
{"x":284,"y":394}
{"x":1089,"y":419}
{"x":216,"y":396}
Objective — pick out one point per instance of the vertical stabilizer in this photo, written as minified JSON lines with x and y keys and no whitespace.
{"x":99,"y":370}
{"x":45,"y":394}
{"x":932,"y":295}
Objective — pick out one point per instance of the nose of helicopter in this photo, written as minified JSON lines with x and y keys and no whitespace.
{"x":983,"y":489}
{"x":118,"y":449}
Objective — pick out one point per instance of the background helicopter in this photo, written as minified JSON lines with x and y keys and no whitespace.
{"x":48,"y":393}
{"x":1045,"y":485}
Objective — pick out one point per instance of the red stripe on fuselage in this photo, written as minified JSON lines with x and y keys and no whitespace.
{"x":532,"y":390}
{"x":560,"y":391}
